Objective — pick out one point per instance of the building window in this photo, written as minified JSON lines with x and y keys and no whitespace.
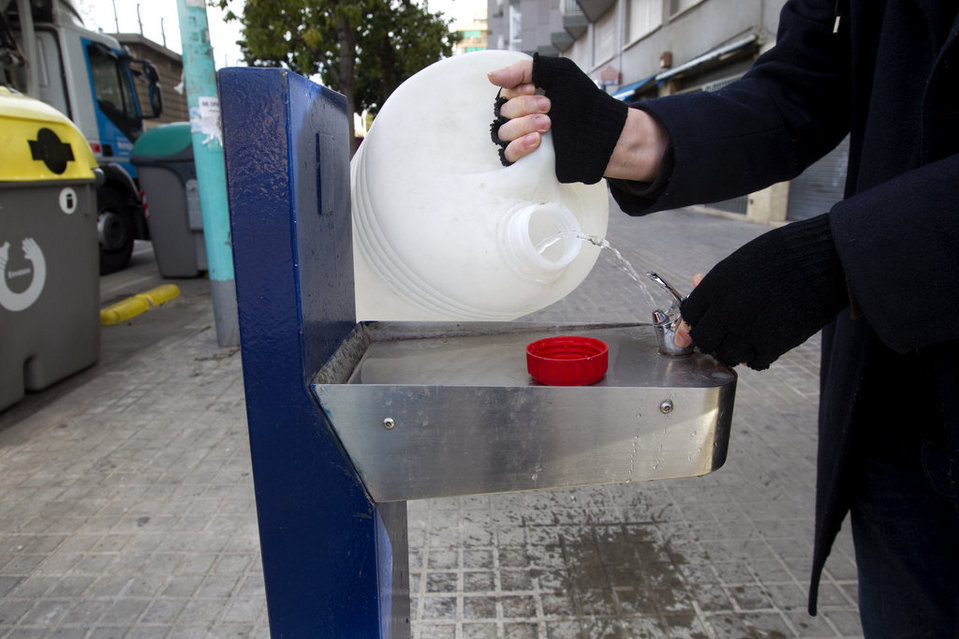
{"x":644,"y":17}
{"x":604,"y":34}
{"x":570,"y":8}
{"x":515,"y":27}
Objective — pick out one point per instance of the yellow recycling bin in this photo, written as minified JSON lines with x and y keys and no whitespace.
{"x":49,"y":269}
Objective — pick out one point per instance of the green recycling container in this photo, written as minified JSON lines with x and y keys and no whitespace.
{"x":49,"y":252}
{"x":164,"y":160}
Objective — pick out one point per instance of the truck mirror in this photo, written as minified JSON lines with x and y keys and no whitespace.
{"x":156,"y":100}
{"x":151,"y":72}
{"x":148,"y":72}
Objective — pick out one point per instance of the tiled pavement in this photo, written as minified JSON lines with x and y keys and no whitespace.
{"x":126,"y":505}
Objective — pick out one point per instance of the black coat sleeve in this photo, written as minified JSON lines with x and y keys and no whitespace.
{"x":898,"y":240}
{"x":789,"y":110}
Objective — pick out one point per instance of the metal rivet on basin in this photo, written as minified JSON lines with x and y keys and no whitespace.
{"x":666,"y":406}
{"x":389,"y":423}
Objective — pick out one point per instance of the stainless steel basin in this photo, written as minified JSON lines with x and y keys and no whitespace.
{"x":429,"y":410}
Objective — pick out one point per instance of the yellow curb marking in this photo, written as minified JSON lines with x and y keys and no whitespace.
{"x":141,"y":302}
{"x":160,"y":294}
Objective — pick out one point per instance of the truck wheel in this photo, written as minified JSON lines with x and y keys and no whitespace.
{"x":115,"y":230}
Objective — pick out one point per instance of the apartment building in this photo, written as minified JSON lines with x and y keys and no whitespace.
{"x":472,"y":32}
{"x":638,"y":49}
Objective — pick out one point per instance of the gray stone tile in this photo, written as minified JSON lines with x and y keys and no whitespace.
{"x":437,"y":631}
{"x":518,"y":606}
{"x":202,"y":611}
{"x":164,"y":611}
{"x":524,"y":630}
{"x":86,"y":611}
{"x":439,"y":607}
{"x":645,"y":628}
{"x":480,"y":607}
{"x":563,"y":630}
{"x":808,"y":626}
{"x":479,"y":630}
{"x":752,"y":624}
{"x":218,"y":586}
{"x":147,"y":632}
{"x":246,"y":610}
{"x":126,"y":610}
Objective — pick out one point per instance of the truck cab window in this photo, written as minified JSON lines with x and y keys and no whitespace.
{"x":110,"y":82}
{"x":113,"y":90}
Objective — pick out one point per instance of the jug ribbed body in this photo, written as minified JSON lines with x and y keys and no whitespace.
{"x":443,"y":231}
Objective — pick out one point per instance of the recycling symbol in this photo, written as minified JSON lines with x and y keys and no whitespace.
{"x":14,"y":300}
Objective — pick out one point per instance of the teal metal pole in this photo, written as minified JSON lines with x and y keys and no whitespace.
{"x":204,"y":103}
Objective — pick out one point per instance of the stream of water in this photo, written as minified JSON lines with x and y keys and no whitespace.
{"x":672,"y":312}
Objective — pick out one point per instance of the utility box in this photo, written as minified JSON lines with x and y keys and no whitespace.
{"x":49,"y":257}
{"x":164,"y":160}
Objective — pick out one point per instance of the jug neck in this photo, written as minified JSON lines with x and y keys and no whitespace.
{"x":541,"y":240}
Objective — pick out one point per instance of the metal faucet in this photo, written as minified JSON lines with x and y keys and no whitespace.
{"x":666,"y":329}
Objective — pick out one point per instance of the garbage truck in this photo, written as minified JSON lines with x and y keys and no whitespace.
{"x":47,"y":53}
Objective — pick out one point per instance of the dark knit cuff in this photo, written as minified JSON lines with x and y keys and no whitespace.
{"x":812,"y":261}
{"x":586,"y":121}
{"x":768,"y":296}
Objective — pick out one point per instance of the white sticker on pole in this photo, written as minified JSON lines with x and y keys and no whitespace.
{"x":205,"y":119}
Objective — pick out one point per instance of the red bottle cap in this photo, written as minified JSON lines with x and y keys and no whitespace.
{"x":567,"y":360}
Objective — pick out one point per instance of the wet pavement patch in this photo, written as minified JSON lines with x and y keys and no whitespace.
{"x":623,"y":571}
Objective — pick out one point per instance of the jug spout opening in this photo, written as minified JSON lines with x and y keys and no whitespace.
{"x":541,"y":240}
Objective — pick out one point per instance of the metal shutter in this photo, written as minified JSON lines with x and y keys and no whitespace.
{"x":820,"y":185}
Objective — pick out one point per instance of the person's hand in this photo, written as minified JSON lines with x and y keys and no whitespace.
{"x":524,"y":110}
{"x":681,"y":337}
{"x":594,"y":134}
{"x":767,"y":297}
{"x":585,"y":122}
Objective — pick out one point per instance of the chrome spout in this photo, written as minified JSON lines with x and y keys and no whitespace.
{"x":669,"y":289}
{"x":666,"y":335}
{"x":666,"y":323}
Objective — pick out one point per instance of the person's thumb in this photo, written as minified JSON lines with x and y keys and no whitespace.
{"x":514,"y":75}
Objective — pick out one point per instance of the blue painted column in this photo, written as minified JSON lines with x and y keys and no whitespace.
{"x":204,"y":104}
{"x":335,"y":563}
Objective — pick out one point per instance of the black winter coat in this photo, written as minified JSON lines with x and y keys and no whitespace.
{"x":890,"y":79}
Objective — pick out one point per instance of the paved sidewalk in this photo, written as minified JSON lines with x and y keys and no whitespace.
{"x":126,"y":499}
{"x":722,"y":556}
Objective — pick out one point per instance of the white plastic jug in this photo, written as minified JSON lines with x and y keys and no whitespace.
{"x":441,"y":229}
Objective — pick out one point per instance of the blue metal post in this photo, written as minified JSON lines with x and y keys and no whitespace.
{"x":204,"y":105}
{"x":335,"y":563}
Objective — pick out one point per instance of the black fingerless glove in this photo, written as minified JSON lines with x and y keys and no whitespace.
{"x":499,"y":120}
{"x":586,"y":121}
{"x":769,"y":296}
